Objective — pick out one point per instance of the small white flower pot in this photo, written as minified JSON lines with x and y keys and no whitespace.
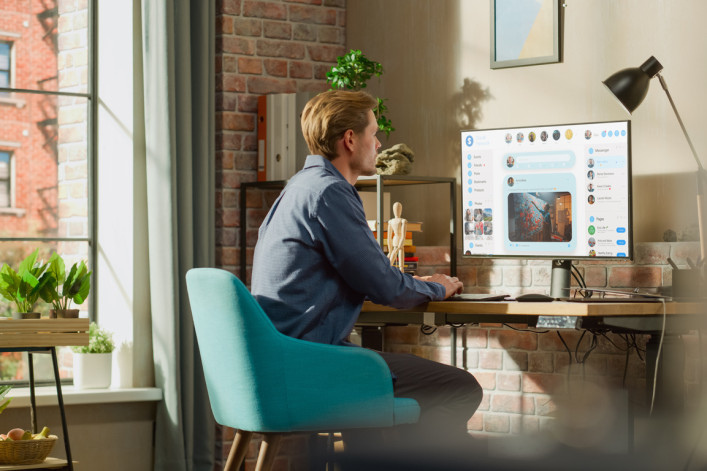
{"x":92,"y":370}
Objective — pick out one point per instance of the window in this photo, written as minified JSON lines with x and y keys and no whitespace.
{"x":5,"y":199}
{"x":5,"y":49}
{"x":46,"y":158}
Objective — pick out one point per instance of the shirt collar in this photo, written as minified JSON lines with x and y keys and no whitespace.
{"x":321,"y":161}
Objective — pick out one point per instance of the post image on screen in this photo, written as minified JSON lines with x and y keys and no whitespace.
{"x":550,"y":191}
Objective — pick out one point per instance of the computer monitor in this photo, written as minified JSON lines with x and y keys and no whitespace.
{"x":560,"y":192}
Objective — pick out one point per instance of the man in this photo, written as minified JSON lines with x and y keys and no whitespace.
{"x":316,"y":260}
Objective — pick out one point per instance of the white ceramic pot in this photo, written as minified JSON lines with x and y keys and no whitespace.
{"x":92,"y":370}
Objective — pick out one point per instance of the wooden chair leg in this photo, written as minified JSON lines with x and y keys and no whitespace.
{"x":268,"y":450}
{"x":238,"y":450}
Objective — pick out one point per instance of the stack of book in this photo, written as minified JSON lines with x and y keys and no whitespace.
{"x":411,"y":260}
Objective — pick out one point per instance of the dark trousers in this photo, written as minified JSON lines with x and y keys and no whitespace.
{"x":448,"y":396}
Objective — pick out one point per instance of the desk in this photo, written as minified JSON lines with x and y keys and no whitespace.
{"x":43,"y":336}
{"x":617,"y":316}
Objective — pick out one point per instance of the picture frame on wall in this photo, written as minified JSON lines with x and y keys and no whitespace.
{"x":524,"y":32}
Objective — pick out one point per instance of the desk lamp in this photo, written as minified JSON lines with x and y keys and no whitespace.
{"x":630,"y":87}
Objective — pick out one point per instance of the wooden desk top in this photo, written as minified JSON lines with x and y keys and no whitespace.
{"x":555,"y":308}
{"x":43,"y":332}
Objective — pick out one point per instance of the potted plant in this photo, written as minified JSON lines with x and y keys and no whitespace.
{"x":92,"y":362}
{"x":23,"y":286}
{"x":352,"y":71}
{"x":66,"y":287}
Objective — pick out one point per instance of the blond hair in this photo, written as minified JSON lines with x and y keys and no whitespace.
{"x":327,"y":116}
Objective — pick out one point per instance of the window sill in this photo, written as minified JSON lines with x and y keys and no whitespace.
{"x":11,"y":100}
{"x":46,"y":396}
{"x":13,"y":211}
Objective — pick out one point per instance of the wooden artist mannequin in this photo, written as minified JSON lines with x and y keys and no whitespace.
{"x":396,"y":237}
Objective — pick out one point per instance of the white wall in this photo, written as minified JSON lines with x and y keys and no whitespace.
{"x":428,"y":49}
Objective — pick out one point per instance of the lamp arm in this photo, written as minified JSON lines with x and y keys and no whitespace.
{"x":682,"y":126}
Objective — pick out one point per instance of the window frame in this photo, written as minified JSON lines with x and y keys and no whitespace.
{"x":8,"y":97}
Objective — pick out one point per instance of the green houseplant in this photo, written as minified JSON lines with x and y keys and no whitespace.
{"x":352,"y":71}
{"x":66,"y":287}
{"x":92,"y":362}
{"x":23,"y":287}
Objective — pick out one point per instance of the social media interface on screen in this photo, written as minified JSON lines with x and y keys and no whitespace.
{"x":559,"y":191}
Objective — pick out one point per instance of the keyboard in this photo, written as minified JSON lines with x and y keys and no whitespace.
{"x":478,"y":297}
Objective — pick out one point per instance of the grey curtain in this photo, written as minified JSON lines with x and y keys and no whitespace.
{"x":178,"y":79}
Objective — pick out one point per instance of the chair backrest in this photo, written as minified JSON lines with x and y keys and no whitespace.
{"x":239,"y":348}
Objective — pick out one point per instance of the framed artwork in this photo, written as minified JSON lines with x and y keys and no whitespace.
{"x":524,"y":32}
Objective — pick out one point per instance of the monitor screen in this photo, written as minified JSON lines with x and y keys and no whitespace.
{"x":556,"y":192}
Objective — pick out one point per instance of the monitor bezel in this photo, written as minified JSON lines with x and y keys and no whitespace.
{"x":629,"y":230}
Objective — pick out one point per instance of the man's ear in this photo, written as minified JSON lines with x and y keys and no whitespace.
{"x":349,"y":140}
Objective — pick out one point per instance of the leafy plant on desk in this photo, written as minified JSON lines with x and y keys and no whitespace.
{"x":66,"y":287}
{"x":23,"y":286}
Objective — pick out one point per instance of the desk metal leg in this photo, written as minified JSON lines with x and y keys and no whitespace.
{"x":32,"y":399}
{"x":453,"y":345}
{"x":60,"y":398}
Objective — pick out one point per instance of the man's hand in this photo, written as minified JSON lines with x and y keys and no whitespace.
{"x":451,"y":284}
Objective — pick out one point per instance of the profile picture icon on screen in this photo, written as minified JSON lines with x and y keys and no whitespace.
{"x":556,"y":134}
{"x":591,"y":199}
{"x":520,"y":137}
{"x":590,"y":174}
{"x":531,"y":137}
{"x":543,"y":136}
{"x":590,"y":162}
{"x":509,"y":138}
{"x":592,"y":253}
{"x":588,"y":134}
{"x":511,"y":182}
{"x":568,"y":134}
{"x":590,"y":187}
{"x":510,"y":161}
{"x":592,"y":242}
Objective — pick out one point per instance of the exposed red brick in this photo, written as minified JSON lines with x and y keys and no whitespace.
{"x":264,"y":9}
{"x":247,"y":65}
{"x":496,"y":423}
{"x":491,"y":360}
{"x":266,"y":85}
{"x":236,"y":45}
{"x":511,"y":339}
{"x":540,"y":362}
{"x":224,"y":25}
{"x":331,"y":35}
{"x":276,"y":67}
{"x":543,"y":383}
{"x":304,"y":32}
{"x":325,"y":53}
{"x":277,"y":30}
{"x":486,"y":379}
{"x":508,"y":381}
{"x":635,"y":277}
{"x":300,"y":69}
{"x":238,"y":121}
{"x":232,"y":7}
{"x":248,"y":27}
{"x":233,"y":83}
{"x":651,"y":254}
{"x":307,"y":14}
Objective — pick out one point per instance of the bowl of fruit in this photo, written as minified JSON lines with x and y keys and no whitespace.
{"x":20,"y":446}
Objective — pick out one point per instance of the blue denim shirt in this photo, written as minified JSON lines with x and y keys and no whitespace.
{"x":316,"y":260}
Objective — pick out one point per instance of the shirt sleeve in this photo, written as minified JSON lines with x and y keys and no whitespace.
{"x":356,"y":256}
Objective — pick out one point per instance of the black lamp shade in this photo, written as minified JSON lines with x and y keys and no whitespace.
{"x":630,"y":86}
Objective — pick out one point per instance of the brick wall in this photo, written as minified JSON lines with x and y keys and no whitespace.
{"x":525,"y":374}
{"x":21,"y":118}
{"x":262,"y":47}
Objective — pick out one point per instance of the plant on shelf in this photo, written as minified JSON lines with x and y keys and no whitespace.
{"x":92,"y":362}
{"x":99,"y":341}
{"x":352,"y":71}
{"x":23,"y":286}
{"x":3,"y":391}
{"x":66,"y":287}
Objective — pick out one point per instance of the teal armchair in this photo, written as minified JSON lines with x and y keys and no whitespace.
{"x":260,"y":380}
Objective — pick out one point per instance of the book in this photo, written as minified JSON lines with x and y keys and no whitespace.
{"x":406,"y":243}
{"x":411,"y":226}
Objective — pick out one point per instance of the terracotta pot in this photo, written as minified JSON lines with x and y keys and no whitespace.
{"x":26,"y":315}
{"x":64,"y":313}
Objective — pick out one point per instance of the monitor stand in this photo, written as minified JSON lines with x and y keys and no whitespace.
{"x":560,"y":278}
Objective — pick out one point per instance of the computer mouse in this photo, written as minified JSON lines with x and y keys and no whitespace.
{"x":534,"y":297}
